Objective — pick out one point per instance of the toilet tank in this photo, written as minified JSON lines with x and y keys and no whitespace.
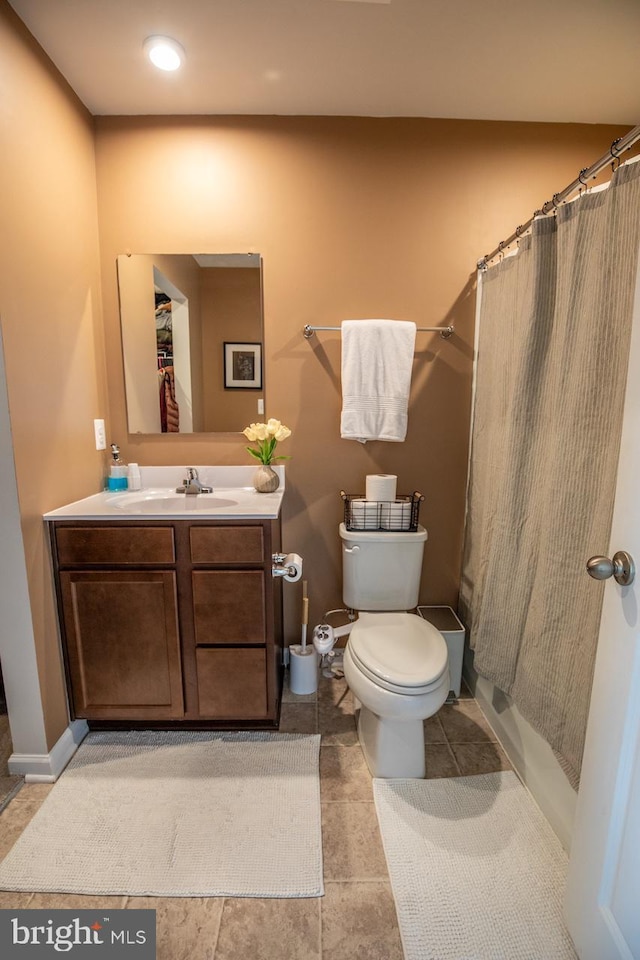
{"x":381,"y":570}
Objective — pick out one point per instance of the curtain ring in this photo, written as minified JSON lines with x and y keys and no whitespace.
{"x":582,"y":181}
{"x":615,"y":155}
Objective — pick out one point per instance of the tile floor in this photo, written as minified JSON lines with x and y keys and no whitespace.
{"x":356,"y":918}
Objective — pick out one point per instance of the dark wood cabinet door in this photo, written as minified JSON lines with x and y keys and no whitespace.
{"x":229,"y":606}
{"x":232,"y":684}
{"x":122,"y":644}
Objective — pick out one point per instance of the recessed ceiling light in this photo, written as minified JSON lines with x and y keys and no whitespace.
{"x":164,"y":53}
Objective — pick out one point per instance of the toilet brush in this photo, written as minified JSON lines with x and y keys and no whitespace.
{"x":303,"y":659}
{"x":305,"y":616}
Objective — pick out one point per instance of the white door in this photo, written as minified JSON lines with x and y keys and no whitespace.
{"x":603,"y":889}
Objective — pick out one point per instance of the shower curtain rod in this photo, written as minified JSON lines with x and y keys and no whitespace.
{"x":617,"y":148}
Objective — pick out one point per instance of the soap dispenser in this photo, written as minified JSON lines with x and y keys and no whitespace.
{"x":117,"y":479}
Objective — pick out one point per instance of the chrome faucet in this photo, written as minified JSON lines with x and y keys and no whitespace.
{"x":191,"y":485}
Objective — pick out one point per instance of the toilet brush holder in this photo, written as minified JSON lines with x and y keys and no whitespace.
{"x":303,"y":666}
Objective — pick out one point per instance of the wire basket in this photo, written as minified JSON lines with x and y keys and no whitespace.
{"x":393,"y":516}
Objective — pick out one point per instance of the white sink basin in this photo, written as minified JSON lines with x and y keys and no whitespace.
{"x":168,"y":501}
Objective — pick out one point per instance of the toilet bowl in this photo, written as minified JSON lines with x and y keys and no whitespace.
{"x":395,"y":662}
{"x":396,"y":665}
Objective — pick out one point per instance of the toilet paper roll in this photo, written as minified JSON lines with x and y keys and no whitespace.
{"x":381,"y":486}
{"x":365,"y":514}
{"x":396,"y":515}
{"x":293,"y":562}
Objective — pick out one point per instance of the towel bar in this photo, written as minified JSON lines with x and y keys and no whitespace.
{"x":445,"y":332}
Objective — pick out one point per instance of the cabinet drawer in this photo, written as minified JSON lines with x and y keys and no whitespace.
{"x":227,"y":544}
{"x":229,"y":606}
{"x":114,"y":545}
{"x":232,"y":684}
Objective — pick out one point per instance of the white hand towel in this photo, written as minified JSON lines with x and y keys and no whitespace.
{"x":377,"y":356}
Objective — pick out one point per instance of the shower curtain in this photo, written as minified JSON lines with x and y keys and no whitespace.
{"x":555,"y":322}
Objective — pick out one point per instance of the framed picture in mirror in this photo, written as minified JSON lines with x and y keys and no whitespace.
{"x":242,"y":366}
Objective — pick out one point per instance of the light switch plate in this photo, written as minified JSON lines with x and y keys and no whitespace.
{"x":101,"y":437}
{"x":261,"y":407}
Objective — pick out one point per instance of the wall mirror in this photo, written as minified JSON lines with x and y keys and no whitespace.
{"x":192,"y":338}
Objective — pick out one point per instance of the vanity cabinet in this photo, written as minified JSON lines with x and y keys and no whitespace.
{"x":170,"y":623}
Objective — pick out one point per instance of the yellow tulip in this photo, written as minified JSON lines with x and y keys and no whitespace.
{"x":266,"y":436}
{"x":258,"y":431}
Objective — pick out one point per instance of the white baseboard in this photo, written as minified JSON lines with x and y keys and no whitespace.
{"x":531,"y":756}
{"x":47,"y":767}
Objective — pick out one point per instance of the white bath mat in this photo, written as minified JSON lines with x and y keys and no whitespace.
{"x":476,"y":871}
{"x":179,"y":814}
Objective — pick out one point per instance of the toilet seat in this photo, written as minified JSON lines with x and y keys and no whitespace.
{"x":399,"y":652}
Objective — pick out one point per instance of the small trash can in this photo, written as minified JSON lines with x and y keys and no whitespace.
{"x":303,"y":665}
{"x":446,"y":621}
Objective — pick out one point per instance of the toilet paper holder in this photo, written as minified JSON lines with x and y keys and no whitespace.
{"x":280,"y":567}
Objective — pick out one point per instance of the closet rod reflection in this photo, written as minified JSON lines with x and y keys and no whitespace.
{"x":445,"y":332}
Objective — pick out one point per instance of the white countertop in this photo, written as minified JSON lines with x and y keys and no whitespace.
{"x":233,"y":498}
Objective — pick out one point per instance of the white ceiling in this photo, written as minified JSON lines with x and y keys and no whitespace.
{"x":554,"y":60}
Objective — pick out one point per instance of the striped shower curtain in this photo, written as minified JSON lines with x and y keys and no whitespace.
{"x":555,"y":323}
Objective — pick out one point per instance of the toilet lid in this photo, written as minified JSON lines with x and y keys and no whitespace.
{"x":400,"y":649}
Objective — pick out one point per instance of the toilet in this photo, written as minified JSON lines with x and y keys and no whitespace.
{"x":395,"y":663}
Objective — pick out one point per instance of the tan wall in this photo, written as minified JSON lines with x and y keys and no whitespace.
{"x":50,"y":307}
{"x":231,"y":311}
{"x":354,"y":218}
